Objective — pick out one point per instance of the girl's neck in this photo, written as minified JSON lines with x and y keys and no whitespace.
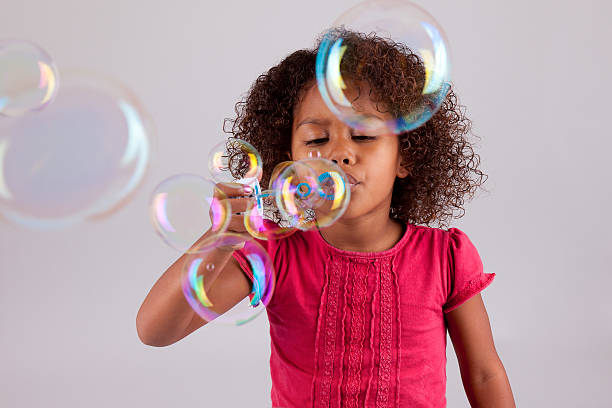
{"x":368,"y":233}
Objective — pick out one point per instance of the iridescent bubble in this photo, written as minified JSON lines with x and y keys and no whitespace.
{"x":417,"y":61}
{"x":264,"y":221}
{"x":333,"y":188}
{"x":277,"y":171}
{"x":297,"y":193}
{"x":29,"y":79}
{"x":198,"y":283}
{"x":82,"y":156}
{"x":185,"y":206}
{"x":233,"y":160}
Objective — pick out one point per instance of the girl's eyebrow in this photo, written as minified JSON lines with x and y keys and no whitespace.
{"x":313,"y":121}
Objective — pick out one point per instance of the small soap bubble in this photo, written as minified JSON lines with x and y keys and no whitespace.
{"x":297,"y":193}
{"x":314,"y":154}
{"x":333,"y":189}
{"x":210,"y":267}
{"x":198,"y":281}
{"x":416,"y":63}
{"x":264,"y":221}
{"x":277,"y":171}
{"x":311,"y":192}
{"x":184,"y":207}
{"x":234,"y":159}
{"x":29,"y":79}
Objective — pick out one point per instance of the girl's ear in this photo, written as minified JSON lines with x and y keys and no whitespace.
{"x":403,"y":170}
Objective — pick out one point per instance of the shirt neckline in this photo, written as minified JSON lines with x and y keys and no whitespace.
{"x":370,"y":255}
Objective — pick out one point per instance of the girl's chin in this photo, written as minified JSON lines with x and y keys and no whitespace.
{"x":353,"y":212}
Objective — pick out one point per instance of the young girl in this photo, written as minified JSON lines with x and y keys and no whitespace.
{"x":361,"y":308}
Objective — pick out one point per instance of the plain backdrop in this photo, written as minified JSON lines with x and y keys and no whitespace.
{"x":534,"y":77}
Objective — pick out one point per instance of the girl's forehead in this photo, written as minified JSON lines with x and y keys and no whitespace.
{"x":311,"y":104}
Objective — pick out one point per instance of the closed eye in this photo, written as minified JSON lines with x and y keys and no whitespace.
{"x":317,"y":141}
{"x":364,"y":138}
{"x":322,"y":140}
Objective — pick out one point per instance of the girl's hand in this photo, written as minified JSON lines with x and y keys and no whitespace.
{"x":239,"y":197}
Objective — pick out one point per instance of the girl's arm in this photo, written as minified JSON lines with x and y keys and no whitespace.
{"x":482,"y":372}
{"x":165,"y":317}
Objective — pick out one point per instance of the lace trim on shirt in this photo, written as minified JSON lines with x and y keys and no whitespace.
{"x":375,"y":300}
{"x":330,"y":332}
{"x":386,"y":333}
{"x":359,"y":301}
{"x":398,"y":359}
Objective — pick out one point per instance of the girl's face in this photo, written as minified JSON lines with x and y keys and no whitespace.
{"x":371,"y":163}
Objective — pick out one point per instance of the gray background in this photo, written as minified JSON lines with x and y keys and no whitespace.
{"x":534,"y":78}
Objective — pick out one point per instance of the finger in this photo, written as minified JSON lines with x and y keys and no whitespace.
{"x":241,"y":205}
{"x":234,"y":189}
{"x":237,"y":224}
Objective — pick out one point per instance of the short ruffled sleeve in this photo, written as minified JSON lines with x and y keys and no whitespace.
{"x":465,"y":275}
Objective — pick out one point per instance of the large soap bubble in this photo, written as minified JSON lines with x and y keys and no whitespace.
{"x":200,"y":274}
{"x":184,"y":207}
{"x":82,"y":156}
{"x":391,"y":39}
{"x":29,"y":79}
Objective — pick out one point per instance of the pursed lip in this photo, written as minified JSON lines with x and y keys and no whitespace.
{"x":352,"y":180}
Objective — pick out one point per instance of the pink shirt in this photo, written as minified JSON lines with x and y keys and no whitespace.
{"x":359,"y":329}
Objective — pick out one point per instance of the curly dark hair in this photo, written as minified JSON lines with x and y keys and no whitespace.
{"x":440,"y":159}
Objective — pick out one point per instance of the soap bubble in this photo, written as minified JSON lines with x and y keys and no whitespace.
{"x":81,"y":157}
{"x":312,"y":192}
{"x":29,"y":79}
{"x":198,"y":282}
{"x":264,"y":221}
{"x":314,"y":154}
{"x":233,"y":160}
{"x":297,"y":193}
{"x":333,"y":187}
{"x":411,"y":54}
{"x":185,"y":206}
{"x":276,"y":171}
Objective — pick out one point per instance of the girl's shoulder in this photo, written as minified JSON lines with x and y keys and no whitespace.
{"x":446,"y":235}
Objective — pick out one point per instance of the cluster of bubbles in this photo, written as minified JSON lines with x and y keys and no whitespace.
{"x":305,"y":194}
{"x":79,"y":151}
{"x":192,"y":214}
{"x":66,"y":154}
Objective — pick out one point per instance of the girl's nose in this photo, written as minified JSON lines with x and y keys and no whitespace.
{"x":341,"y":151}
{"x":345,"y":161}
